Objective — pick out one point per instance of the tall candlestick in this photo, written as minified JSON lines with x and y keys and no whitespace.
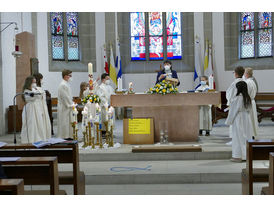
{"x":90,"y":78}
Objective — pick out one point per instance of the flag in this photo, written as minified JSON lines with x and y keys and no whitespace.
{"x":118,"y":63}
{"x":206,"y":56}
{"x":209,"y":70}
{"x":198,"y":67}
{"x":112,"y":70}
{"x":105,"y":60}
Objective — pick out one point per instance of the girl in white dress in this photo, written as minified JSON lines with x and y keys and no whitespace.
{"x":31,"y":115}
{"x":240,"y":121}
{"x":42,"y":104}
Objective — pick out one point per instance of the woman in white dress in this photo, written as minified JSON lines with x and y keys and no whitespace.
{"x":42,"y":104}
{"x":240,"y":121}
{"x":31,"y":115}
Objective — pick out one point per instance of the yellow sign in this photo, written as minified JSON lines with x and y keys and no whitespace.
{"x":139,"y":126}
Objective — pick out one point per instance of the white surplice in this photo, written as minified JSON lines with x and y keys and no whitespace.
{"x":241,"y":127}
{"x":252,"y":90}
{"x":205,"y":116}
{"x":64,"y":111}
{"x":104,"y":92}
{"x":32,"y":127}
{"x":42,"y":104}
{"x":230,"y":94}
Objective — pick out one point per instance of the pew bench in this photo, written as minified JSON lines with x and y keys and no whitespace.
{"x":270,"y":189}
{"x":34,"y":171}
{"x":265,"y":105}
{"x":67,"y":153}
{"x":255,"y":150}
{"x":11,"y":186}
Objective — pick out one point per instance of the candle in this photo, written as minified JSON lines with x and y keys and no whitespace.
{"x":120,"y":87}
{"x":90,"y":71}
{"x":211,"y":82}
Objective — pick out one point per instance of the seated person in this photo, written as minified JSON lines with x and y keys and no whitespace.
{"x":167,"y":72}
{"x":205,"y":117}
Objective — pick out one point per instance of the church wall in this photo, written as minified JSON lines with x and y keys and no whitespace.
{"x":23,"y":21}
{"x":53,"y":79}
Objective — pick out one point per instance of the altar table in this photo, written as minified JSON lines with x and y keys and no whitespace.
{"x":180,"y":112}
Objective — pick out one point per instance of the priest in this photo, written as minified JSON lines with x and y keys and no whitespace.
{"x":64,"y":107}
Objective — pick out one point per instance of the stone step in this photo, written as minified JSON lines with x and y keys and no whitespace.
{"x":162,"y":172}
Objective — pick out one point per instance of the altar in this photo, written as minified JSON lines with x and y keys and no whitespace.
{"x":179,"y":113}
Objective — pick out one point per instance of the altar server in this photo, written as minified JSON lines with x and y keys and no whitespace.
{"x":205,"y":116}
{"x":167,"y":72}
{"x":64,"y":107}
{"x":240,"y":121}
{"x":252,"y":90}
{"x":42,"y":104}
{"x":32,"y":120}
{"x":232,"y":91}
{"x":104,"y":91}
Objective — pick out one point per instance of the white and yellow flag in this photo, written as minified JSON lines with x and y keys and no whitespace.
{"x":112,"y":70}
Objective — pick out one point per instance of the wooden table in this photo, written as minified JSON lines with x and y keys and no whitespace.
{"x":179,"y":111}
{"x":42,"y":170}
{"x":14,"y":186}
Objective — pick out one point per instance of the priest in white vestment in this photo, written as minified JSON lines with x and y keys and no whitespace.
{"x":205,"y":116}
{"x":252,"y":90}
{"x":232,"y":91}
{"x":64,"y":107}
{"x":32,"y":126}
{"x":42,"y":104}
{"x":240,"y":121}
{"x":104,"y":91}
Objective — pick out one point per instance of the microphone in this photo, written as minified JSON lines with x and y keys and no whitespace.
{"x":31,"y":94}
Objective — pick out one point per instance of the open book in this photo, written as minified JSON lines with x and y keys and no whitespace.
{"x":48,"y":142}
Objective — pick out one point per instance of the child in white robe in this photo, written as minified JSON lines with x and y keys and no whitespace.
{"x":32,"y":121}
{"x":240,"y":121}
{"x":205,"y":116}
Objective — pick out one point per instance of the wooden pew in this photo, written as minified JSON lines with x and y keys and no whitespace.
{"x":34,"y":171}
{"x":66,"y":152}
{"x":265,"y":105}
{"x":255,"y":150}
{"x":270,"y":189}
{"x":11,"y":186}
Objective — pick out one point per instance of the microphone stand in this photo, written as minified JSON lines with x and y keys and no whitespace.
{"x":14,"y":117}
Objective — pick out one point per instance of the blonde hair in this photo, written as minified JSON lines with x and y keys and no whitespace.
{"x":83,"y":86}
{"x":249,"y":71}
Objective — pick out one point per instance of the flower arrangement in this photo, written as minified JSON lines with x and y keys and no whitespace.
{"x":163,"y":88}
{"x":92,"y":98}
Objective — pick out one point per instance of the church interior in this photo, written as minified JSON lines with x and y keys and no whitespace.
{"x":139,"y":134}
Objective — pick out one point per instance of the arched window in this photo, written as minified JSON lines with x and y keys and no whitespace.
{"x":162,"y":31}
{"x":255,"y":34}
{"x":65,"y":36}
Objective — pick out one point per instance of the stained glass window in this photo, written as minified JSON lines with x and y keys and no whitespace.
{"x":60,"y":29}
{"x":57,"y":35}
{"x":138,"y":50}
{"x":162,"y":35}
{"x":173,"y":30}
{"x":155,"y":36}
{"x":256,"y":38}
{"x":247,"y":35}
{"x":72,"y":33}
{"x":265,"y":34}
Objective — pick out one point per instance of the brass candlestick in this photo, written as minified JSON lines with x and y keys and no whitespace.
{"x":85,"y":141}
{"x":73,"y":128}
{"x":89,"y":134}
{"x":107,"y":132}
{"x":97,"y":132}
{"x":111,"y":136}
{"x":76,"y":134}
